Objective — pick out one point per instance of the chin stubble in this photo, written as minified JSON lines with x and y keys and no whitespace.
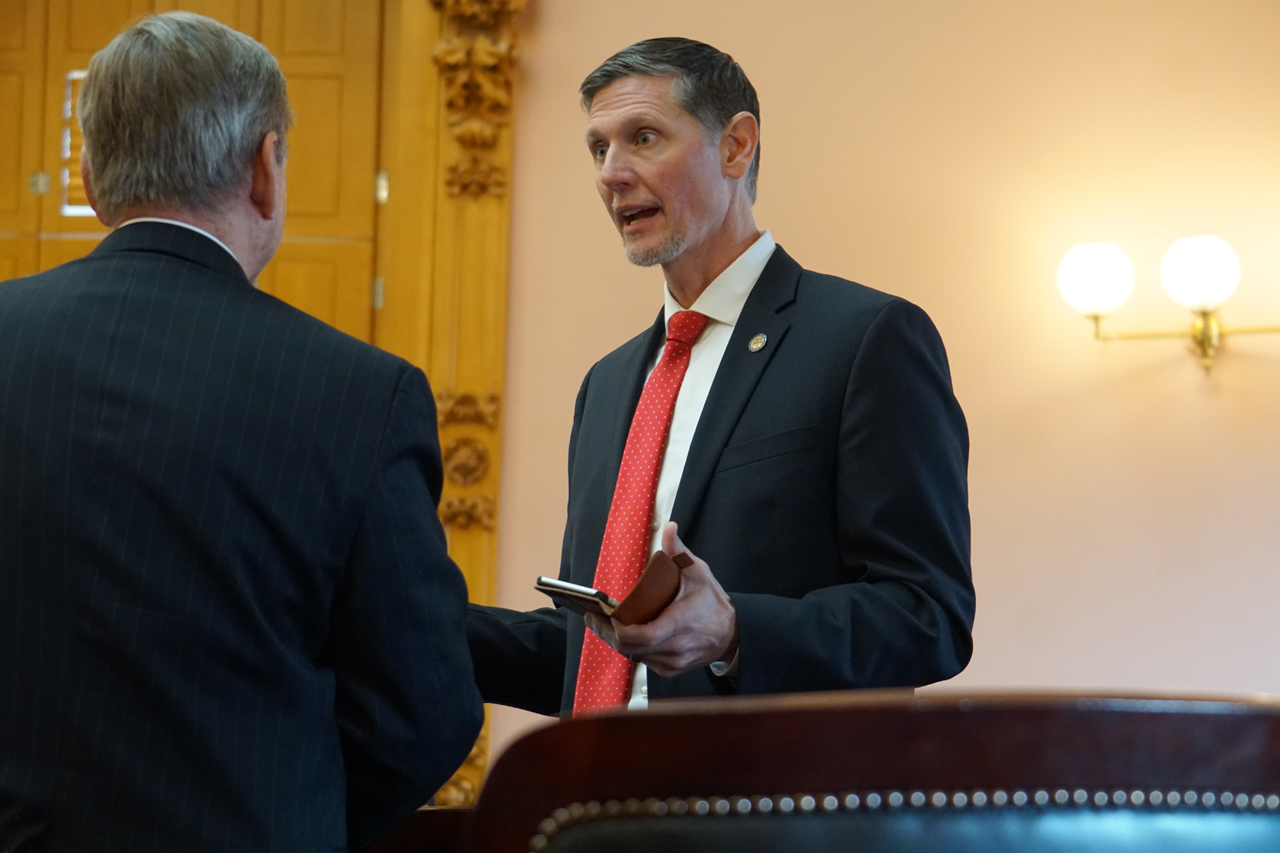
{"x":668,"y":250}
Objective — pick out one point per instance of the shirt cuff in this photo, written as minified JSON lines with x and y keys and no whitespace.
{"x":726,"y":670}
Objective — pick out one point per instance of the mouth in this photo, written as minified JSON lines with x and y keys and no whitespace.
{"x":629,"y":215}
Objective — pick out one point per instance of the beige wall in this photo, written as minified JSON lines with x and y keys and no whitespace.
{"x":1126,"y":509}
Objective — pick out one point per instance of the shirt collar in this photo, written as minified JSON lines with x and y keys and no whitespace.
{"x":723,"y":299}
{"x":186,"y":225}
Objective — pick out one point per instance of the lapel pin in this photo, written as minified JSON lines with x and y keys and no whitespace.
{"x":757,"y":343}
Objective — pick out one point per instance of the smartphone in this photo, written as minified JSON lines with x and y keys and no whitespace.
{"x":579,"y":599}
{"x":656,"y":588}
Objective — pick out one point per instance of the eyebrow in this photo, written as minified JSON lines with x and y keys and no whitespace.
{"x":637,"y":120}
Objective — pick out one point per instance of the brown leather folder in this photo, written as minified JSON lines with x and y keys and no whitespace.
{"x":656,"y":589}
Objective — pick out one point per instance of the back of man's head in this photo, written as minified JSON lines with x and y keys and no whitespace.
{"x":174,"y":110}
{"x":707,"y":84}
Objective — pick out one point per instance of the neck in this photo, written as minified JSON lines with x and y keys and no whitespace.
{"x":229,"y":229}
{"x":690,"y":274}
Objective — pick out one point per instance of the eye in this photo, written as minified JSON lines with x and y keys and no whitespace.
{"x":646,"y":137}
{"x":598,"y":150}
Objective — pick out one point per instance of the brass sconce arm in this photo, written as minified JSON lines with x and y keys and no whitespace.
{"x":1253,"y":330}
{"x":1206,"y":334}
{"x":1107,"y":335}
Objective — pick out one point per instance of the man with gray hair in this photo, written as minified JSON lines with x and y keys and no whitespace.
{"x":793,"y":435}
{"x":228,"y":620}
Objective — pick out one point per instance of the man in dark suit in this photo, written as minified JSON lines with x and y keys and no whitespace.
{"x":227,"y":617}
{"x":815,"y":460}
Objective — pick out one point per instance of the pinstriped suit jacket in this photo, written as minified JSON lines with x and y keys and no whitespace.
{"x":227,"y":617}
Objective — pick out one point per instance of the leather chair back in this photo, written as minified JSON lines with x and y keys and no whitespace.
{"x":887,"y":772}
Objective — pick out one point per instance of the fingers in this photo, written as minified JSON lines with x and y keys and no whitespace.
{"x":639,"y":645}
{"x":667,"y":666}
{"x":640,"y":639}
{"x":671,"y":544}
{"x":697,"y":628}
{"x":604,"y":628}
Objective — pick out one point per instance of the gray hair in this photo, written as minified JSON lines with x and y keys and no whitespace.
{"x":705,"y":82}
{"x":174,"y":110}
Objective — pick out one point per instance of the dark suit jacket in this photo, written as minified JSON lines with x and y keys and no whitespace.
{"x":825,"y":487}
{"x":227,"y":617}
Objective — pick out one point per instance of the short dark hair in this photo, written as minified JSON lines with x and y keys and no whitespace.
{"x":706,"y":83}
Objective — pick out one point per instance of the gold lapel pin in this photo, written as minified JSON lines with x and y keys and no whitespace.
{"x":757,"y":343}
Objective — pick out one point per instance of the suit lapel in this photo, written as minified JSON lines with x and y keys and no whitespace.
{"x":736,"y":379}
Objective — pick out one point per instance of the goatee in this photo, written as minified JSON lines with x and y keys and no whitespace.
{"x":671,"y":248}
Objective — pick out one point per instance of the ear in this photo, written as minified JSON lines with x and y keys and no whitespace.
{"x":267,"y":178}
{"x":738,"y":145}
{"x":88,"y":187}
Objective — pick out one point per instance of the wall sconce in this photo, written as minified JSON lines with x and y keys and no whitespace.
{"x":1199,"y":273}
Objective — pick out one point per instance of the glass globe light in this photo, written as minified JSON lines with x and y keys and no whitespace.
{"x":1095,"y":278}
{"x":1200,"y":273}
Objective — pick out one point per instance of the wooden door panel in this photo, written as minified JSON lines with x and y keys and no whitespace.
{"x":13,"y":182}
{"x":315,"y":154}
{"x":14,"y":36}
{"x":19,"y":255}
{"x":88,"y":20}
{"x":328,"y":50}
{"x":313,"y":27}
{"x":22,"y":48}
{"x":324,"y":279}
{"x":59,"y":248}
{"x":243,"y":15}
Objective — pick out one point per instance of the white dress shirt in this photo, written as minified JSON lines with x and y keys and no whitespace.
{"x":722,"y":303}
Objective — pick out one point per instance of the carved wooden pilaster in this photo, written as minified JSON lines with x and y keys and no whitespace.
{"x":443,"y":256}
{"x":476,"y":59}
{"x":469,"y":444}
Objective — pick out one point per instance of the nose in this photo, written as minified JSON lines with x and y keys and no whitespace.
{"x":615,"y":170}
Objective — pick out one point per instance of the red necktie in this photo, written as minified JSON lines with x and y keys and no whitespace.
{"x":604,"y":676}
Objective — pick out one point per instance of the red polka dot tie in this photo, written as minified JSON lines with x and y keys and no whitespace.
{"x":604,"y":676}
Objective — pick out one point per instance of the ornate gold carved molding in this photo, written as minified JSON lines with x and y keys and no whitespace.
{"x":466,"y":512}
{"x":476,"y":57}
{"x":475,"y":177}
{"x":467,"y":409}
{"x":466,"y":461}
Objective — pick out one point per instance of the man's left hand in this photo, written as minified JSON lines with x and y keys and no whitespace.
{"x":698,"y":627}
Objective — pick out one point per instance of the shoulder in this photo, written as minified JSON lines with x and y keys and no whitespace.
{"x":340,"y":361}
{"x":808,"y":296}
{"x":830,"y":302}
{"x":817,"y":292}
{"x":40,"y":286}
